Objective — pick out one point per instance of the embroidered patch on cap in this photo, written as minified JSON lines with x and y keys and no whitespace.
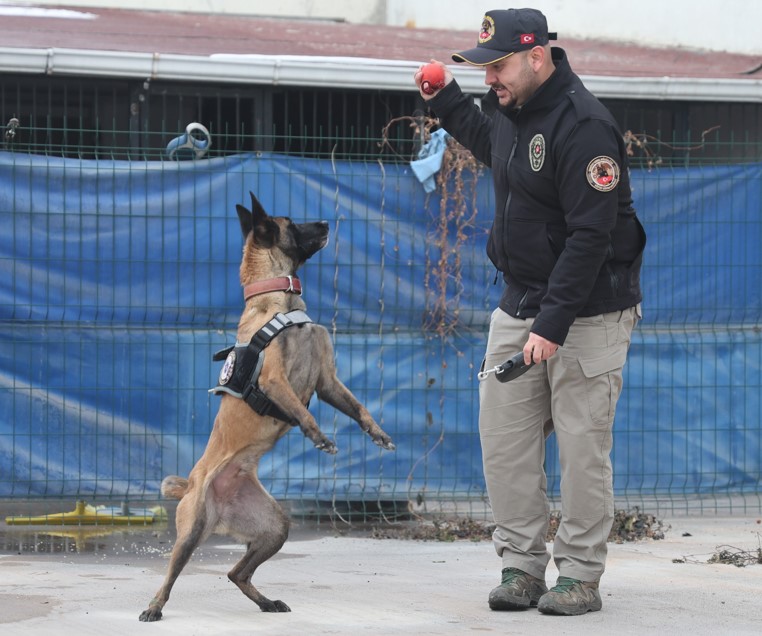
{"x":488,"y":29}
{"x":537,"y":152}
{"x":527,"y":38}
{"x":227,"y":369}
{"x":603,"y":173}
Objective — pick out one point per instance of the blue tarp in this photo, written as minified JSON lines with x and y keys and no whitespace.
{"x":120,"y":279}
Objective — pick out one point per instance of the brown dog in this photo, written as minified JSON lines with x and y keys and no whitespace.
{"x":222,"y":494}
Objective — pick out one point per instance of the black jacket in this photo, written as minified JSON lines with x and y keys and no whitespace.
{"x":565,"y":235}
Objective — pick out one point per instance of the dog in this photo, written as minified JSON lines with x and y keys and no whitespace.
{"x":222,"y":494}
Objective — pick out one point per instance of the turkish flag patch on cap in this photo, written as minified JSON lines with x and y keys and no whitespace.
{"x":527,"y":38}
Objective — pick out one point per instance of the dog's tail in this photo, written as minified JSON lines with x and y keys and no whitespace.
{"x":174,"y":487}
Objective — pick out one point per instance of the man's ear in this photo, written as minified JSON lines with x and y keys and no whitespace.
{"x":537,"y":57}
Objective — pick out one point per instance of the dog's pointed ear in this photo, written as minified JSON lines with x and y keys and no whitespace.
{"x":257,"y":211}
{"x":265,"y":230}
{"x":244,"y":216}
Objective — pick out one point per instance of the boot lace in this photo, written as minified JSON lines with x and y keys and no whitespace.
{"x":510,"y":575}
{"x":564,"y":584}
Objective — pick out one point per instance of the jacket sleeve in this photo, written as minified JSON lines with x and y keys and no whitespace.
{"x":590,"y":213}
{"x":464,"y":120}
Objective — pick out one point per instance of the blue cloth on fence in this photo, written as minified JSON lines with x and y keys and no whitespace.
{"x":430,"y":159}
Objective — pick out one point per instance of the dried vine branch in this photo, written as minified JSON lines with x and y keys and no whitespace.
{"x":643,"y":143}
{"x":456,"y":184}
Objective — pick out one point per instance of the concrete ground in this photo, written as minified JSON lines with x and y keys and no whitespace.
{"x":63,"y":580}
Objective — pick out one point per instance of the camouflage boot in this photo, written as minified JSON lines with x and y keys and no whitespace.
{"x":571,"y":597}
{"x":517,"y":591}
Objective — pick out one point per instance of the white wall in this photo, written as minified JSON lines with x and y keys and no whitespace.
{"x":359,"y":11}
{"x":728,"y":25}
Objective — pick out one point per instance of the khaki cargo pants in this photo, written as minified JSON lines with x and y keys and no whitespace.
{"x":573,"y":393}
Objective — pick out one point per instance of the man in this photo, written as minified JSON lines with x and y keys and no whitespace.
{"x":569,"y":246}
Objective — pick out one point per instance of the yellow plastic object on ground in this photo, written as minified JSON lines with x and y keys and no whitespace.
{"x":87,"y":515}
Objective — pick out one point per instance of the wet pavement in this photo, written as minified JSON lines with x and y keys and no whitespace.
{"x":339,"y":579}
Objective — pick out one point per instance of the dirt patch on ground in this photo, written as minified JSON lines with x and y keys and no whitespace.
{"x":22,"y":607}
{"x":628,"y":526}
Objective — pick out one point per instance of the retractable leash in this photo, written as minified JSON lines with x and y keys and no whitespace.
{"x":510,"y":369}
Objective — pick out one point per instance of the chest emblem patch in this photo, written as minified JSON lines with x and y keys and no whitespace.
{"x":227,"y":369}
{"x":603,"y":173}
{"x":537,"y":152}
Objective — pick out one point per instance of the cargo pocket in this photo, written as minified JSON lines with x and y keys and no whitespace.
{"x":603,"y":378}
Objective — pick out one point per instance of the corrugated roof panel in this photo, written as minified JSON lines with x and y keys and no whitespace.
{"x":203,"y":35}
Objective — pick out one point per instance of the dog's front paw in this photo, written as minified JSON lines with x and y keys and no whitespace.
{"x":327,"y":446}
{"x":384,"y":441}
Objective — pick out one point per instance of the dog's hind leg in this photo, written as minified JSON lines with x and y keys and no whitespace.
{"x":264,"y":524}
{"x":191,"y":531}
{"x":256,"y":554}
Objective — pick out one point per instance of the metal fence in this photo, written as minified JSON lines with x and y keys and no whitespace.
{"x":120,"y":118}
{"x":96,"y":299}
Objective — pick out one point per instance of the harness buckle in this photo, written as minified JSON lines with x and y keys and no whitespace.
{"x":256,"y":399}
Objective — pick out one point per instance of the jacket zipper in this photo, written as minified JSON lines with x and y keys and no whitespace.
{"x":612,"y":276}
{"x":521,"y":304}
{"x":507,"y":170}
{"x":508,"y":198}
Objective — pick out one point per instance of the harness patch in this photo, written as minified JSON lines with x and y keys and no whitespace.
{"x":537,"y":152}
{"x":227,"y":369}
{"x":603,"y":173}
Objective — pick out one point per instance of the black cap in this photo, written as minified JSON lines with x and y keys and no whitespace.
{"x":505,"y":32}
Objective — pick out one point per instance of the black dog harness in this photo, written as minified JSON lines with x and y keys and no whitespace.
{"x":243,"y":364}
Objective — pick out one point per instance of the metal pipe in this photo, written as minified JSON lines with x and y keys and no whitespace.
{"x":288,"y":70}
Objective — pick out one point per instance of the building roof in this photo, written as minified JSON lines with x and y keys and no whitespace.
{"x":30,"y":34}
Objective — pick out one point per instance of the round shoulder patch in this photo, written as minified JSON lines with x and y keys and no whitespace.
{"x":537,"y":152}
{"x":227,"y":369}
{"x":603,"y":173}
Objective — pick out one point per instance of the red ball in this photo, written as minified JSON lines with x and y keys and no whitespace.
{"x":432,"y":78}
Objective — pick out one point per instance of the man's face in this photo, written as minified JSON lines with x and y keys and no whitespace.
{"x":513,"y":79}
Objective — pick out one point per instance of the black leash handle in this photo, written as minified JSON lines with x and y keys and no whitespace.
{"x":510,"y":369}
